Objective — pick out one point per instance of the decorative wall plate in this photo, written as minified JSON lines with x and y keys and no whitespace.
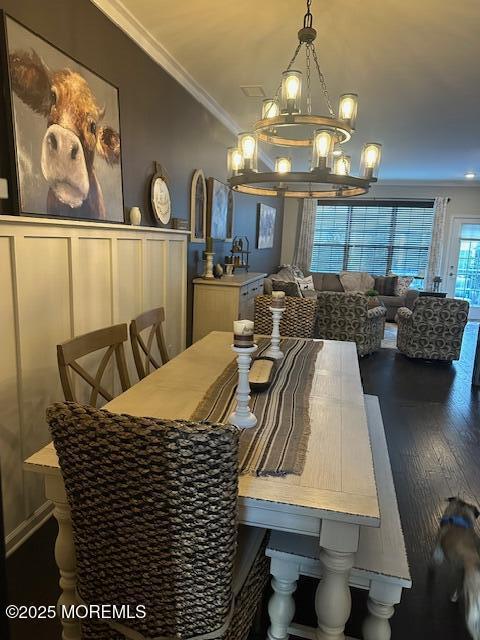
{"x":160,"y":196}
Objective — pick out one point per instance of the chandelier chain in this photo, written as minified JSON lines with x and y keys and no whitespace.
{"x":294,"y":57}
{"x":308,"y":17}
{"x":322,"y":82}
{"x":309,"y":89}
{"x":290,"y":64}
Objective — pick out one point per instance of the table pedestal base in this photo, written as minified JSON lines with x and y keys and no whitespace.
{"x":339,"y":542}
{"x":64,"y":555}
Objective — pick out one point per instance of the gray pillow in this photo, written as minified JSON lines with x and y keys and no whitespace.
{"x":331,"y":282}
{"x":385,"y":285}
{"x":291,"y":288}
{"x":354,"y":281}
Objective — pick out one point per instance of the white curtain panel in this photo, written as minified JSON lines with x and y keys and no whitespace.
{"x":437,"y":244}
{"x":303,"y":251}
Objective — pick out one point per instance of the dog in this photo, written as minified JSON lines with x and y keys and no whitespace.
{"x":458,"y":544}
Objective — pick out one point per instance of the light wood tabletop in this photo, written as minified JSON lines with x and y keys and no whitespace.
{"x":338,"y":481}
{"x":333,"y":497}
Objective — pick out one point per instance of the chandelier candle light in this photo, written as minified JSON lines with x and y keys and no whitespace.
{"x":244,"y":346}
{"x":277,"y":307}
{"x":287,"y":121}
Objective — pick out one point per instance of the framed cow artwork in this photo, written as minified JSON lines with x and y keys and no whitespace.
{"x":64,"y":127}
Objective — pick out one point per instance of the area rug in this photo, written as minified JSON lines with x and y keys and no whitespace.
{"x":390,"y":336}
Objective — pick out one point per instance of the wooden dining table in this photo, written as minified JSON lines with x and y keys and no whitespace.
{"x":333,"y":497}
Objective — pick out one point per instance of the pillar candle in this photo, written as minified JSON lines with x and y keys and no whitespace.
{"x":209,"y":245}
{"x":278,"y":299}
{"x":243,"y":333}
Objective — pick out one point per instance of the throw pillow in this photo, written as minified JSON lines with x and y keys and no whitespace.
{"x":288,"y":273}
{"x":305,"y":283}
{"x":291,"y":288}
{"x":385,"y":285}
{"x":356,"y":281}
{"x":402,"y":285}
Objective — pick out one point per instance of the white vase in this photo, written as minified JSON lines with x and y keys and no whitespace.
{"x":135,"y":216}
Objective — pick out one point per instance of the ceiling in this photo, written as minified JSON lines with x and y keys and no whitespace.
{"x":414,"y":64}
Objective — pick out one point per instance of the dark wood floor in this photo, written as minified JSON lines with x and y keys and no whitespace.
{"x":431,"y":417}
{"x":432,"y":424}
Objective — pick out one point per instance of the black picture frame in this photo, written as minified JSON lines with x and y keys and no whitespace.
{"x":15,"y":200}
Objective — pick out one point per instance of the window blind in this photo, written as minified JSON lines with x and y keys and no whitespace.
{"x":374,"y":236}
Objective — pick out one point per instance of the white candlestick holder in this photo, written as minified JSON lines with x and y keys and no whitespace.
{"x":273,"y":350}
{"x":242,"y":416}
{"x":209,"y":266}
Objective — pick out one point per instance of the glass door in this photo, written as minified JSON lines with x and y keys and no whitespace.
{"x":464,"y":272}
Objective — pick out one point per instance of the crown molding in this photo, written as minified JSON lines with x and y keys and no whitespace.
{"x":124,"y":19}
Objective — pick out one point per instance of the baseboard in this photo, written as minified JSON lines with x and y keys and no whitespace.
{"x":18,"y":536}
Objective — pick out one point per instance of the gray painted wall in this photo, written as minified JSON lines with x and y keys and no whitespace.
{"x":159,"y":120}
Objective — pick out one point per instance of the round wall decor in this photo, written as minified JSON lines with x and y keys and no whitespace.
{"x":160,"y":196}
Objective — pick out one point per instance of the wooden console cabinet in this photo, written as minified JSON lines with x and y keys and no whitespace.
{"x":217,"y":303}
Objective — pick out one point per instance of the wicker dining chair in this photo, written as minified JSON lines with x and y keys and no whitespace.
{"x":143,"y":351}
{"x":298,"y":319}
{"x":154,"y":513}
{"x":68,"y":353}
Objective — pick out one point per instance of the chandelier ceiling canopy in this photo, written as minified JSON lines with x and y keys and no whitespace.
{"x":287,"y":122}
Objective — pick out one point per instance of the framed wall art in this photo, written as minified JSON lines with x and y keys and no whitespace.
{"x":218,"y":199}
{"x":265,"y":226}
{"x":64,"y":131}
{"x":198,"y":207}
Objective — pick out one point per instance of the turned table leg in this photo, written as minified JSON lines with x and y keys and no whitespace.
{"x":381,"y":600}
{"x":333,"y":602}
{"x":281,"y":607}
{"x":64,"y":554}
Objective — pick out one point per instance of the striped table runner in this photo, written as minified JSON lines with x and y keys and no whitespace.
{"x":278,"y":444}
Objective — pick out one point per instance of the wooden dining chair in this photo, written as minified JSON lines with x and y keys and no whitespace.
{"x":142,"y":351}
{"x":154,"y":512}
{"x":109,"y":338}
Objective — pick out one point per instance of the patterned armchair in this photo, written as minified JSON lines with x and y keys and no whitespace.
{"x":434,"y":329}
{"x":143,"y":536}
{"x":346,"y":316}
{"x":298,"y":319}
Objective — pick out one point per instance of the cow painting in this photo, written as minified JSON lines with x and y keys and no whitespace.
{"x":73,"y":156}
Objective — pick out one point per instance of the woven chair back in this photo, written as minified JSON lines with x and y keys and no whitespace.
{"x":153,"y":506}
{"x":298,"y":319}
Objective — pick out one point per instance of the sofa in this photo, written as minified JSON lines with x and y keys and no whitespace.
{"x":433,"y":330}
{"x":346,"y":316}
{"x":331,"y":282}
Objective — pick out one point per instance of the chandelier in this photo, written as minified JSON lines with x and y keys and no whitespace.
{"x":288,"y":123}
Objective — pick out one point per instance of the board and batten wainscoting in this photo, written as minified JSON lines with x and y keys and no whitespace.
{"x":58,"y":279}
